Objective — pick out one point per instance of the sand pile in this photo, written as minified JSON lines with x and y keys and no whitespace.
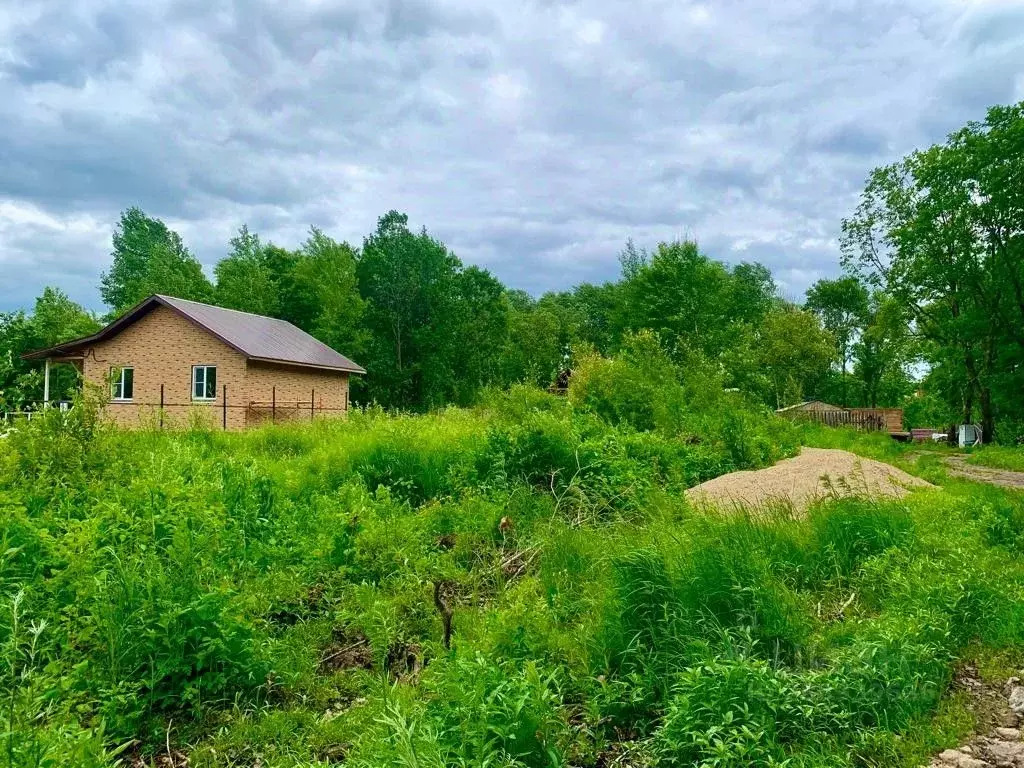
{"x":815,"y":474}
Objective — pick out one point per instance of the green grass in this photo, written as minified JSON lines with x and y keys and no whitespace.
{"x":999,"y":457}
{"x":880,"y":446}
{"x":269,"y":596}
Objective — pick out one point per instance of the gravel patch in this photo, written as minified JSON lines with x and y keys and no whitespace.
{"x":1001,"y":747}
{"x":817,"y":473}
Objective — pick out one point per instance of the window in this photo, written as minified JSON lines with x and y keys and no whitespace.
{"x":204,"y":382}
{"x":122,"y":385}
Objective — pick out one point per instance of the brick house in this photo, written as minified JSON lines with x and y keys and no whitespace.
{"x":168,"y":361}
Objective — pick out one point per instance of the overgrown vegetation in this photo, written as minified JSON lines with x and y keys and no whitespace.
{"x":278,"y":597}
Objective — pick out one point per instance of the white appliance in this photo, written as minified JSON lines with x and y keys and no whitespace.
{"x":968,"y":435}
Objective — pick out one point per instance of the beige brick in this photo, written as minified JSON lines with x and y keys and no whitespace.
{"x":162,"y":347}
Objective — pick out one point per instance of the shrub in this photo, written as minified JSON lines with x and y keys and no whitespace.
{"x":493,"y":713}
{"x":639,"y":388}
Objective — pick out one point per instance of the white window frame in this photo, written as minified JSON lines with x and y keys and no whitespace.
{"x":205,"y":368}
{"x":119,"y":382}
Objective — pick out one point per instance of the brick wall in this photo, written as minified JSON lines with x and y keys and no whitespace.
{"x":291,"y":387}
{"x":162,"y":347}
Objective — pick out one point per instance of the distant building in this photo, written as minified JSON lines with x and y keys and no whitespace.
{"x":169,"y":360}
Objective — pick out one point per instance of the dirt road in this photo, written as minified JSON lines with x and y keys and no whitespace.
{"x":957,"y":466}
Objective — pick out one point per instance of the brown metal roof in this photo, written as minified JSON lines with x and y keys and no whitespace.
{"x":264,"y":339}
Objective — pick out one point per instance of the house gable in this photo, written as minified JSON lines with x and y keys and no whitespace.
{"x":161,"y":347}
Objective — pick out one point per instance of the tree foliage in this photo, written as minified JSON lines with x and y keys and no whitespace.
{"x":55,"y":318}
{"x":246,"y":279}
{"x":942,"y":231}
{"x":842,"y":305}
{"x":149,"y":258}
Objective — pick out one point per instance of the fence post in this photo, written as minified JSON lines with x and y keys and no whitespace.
{"x":273,"y":405}
{"x":161,"y":406}
{"x":312,"y":401}
{"x":224,"y":406}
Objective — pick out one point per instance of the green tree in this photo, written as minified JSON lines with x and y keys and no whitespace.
{"x":149,"y":258}
{"x":690,"y":301}
{"x":324,"y":293}
{"x":794,"y":351}
{"x":407,"y":280}
{"x":882,"y":353}
{"x":679,"y":294}
{"x":753,"y":292}
{"x":535,"y":347}
{"x":594,"y":308}
{"x":467,"y":346}
{"x":842,"y":305}
{"x":314,"y":288}
{"x":246,"y":279}
{"x":54,"y":319}
{"x":943,"y":231}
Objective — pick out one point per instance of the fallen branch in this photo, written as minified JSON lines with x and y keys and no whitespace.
{"x":346,"y":649}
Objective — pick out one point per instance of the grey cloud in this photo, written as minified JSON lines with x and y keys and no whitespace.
{"x":83,"y":48}
{"x":850,"y":139}
{"x":993,"y":27}
{"x":534,"y":137}
{"x":421,"y":18}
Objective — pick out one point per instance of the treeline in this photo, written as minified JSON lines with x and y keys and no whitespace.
{"x":431,"y":330}
{"x":929,"y":315}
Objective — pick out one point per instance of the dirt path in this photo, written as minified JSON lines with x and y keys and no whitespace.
{"x":958,"y":467}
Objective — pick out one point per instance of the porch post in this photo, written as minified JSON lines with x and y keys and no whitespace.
{"x":46,"y":384}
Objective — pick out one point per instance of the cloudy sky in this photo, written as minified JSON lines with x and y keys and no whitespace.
{"x":533,"y":137}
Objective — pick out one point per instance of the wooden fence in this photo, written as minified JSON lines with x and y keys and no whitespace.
{"x":868,"y":420}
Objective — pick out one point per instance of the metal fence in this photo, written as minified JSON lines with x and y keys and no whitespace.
{"x":9,"y":418}
{"x":256,"y":411}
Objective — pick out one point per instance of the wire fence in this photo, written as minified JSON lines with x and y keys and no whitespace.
{"x":274,"y":410}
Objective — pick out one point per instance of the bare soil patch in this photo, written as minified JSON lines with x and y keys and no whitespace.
{"x":817,"y":473}
{"x":350,"y":650}
{"x":958,"y":467}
